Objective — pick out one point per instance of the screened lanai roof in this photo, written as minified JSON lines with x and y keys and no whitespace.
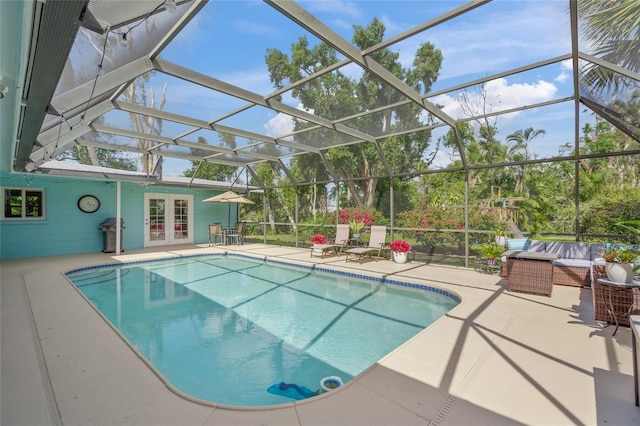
{"x":189,"y":80}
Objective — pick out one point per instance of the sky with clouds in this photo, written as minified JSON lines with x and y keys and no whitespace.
{"x":228,"y":40}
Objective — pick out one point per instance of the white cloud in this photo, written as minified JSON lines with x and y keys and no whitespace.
{"x":347,"y":8}
{"x":496,"y":37}
{"x":500,"y":96}
{"x":253,"y":80}
{"x":279,"y":125}
{"x":391,"y":27}
{"x":566,"y":69}
{"x":282,"y":124}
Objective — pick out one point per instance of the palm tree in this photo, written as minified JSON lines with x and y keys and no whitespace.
{"x":612,"y":27}
{"x":522,"y":139}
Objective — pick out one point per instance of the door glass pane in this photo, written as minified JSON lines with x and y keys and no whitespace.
{"x":156,"y":220}
{"x":180,"y":217}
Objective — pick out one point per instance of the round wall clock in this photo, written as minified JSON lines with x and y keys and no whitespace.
{"x":88,"y":203}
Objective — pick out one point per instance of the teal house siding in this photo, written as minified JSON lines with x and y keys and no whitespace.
{"x":68,"y":230}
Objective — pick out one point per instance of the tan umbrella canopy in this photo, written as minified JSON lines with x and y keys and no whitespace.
{"x":229,"y":197}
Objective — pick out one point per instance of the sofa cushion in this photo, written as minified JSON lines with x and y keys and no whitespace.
{"x":569,"y":250}
{"x":538,"y":246}
{"x":596,"y":250}
{"x":609,"y":246}
{"x":573,"y":263}
{"x":518,"y":244}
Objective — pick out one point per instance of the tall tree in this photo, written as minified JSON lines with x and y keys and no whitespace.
{"x":335,"y":95}
{"x":480,"y":140}
{"x":108,"y":55}
{"x":99,"y":157}
{"x":212,"y":171}
{"x":138,"y":93}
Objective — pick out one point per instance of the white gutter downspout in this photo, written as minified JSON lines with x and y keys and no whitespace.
{"x":118,"y":220}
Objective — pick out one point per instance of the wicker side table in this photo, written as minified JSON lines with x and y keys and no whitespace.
{"x":531,"y":272}
{"x":610,"y":288}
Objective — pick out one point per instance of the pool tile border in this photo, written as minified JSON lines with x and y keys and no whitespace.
{"x":314,"y":267}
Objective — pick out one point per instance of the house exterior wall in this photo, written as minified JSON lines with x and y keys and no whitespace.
{"x":68,"y":230}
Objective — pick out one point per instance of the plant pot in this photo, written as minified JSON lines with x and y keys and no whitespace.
{"x":355,"y":236}
{"x":317,"y":251}
{"x":501,"y":240}
{"x":399,"y":256}
{"x":491,"y":262}
{"x":619,"y":272}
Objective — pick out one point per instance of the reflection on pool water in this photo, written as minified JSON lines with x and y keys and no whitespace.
{"x":225,"y":328}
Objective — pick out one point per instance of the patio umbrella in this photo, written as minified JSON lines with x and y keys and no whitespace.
{"x":229,"y":197}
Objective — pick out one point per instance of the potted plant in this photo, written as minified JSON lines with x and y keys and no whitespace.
{"x":318,"y":239}
{"x":399,"y":249}
{"x":490,"y":252}
{"x":356,"y":228}
{"x":500,"y":237}
{"x":620,"y":263}
{"x":633,"y":225}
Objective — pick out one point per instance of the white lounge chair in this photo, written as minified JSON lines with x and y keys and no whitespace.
{"x":341,"y":240}
{"x":377,"y":242}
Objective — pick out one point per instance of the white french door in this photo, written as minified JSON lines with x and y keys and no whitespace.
{"x":168,"y":219}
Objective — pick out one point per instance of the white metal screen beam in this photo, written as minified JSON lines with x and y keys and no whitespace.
{"x":238,"y":92}
{"x":320,"y":30}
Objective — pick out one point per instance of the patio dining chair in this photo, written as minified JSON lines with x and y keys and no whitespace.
{"x":215,"y":232}
{"x":377,"y":242}
{"x":241,"y":232}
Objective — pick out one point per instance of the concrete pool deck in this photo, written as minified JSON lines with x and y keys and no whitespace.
{"x":497,"y":358}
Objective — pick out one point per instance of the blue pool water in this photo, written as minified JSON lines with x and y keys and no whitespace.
{"x":224,"y":328}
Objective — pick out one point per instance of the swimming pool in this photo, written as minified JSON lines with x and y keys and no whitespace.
{"x":225,"y":328}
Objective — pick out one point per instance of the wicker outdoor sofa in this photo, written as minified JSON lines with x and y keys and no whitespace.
{"x":573,"y":266}
{"x":581,"y":265}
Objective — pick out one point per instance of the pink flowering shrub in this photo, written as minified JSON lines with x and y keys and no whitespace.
{"x":367,"y":216}
{"x":439,"y":221}
{"x":433,"y":219}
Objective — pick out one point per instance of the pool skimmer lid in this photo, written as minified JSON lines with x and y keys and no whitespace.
{"x":330,"y":383}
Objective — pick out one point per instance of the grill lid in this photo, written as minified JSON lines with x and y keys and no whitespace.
{"x":110,"y":222}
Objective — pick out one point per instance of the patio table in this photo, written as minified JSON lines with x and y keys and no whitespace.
{"x":229,"y":234}
{"x":530,"y":272}
{"x":615,"y":287}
